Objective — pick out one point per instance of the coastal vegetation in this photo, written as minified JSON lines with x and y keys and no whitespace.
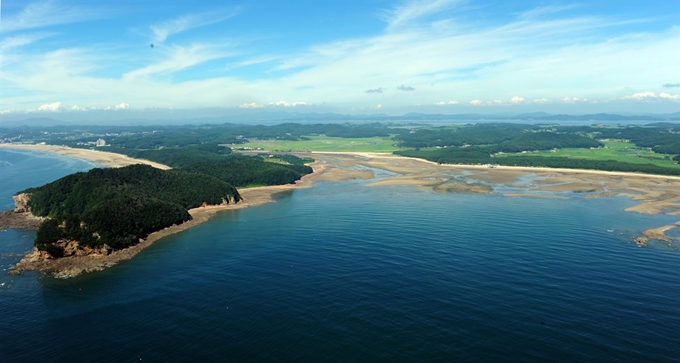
{"x":322,"y":143}
{"x":653,"y":149}
{"x":247,"y":171}
{"x":116,"y":207}
{"x":218,"y":161}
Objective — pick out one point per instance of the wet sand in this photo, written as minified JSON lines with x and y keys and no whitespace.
{"x":654,"y":194}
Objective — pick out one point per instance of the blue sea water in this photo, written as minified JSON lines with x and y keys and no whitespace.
{"x":343,"y":272}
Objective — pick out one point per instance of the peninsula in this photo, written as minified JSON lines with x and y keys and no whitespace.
{"x":88,"y":221}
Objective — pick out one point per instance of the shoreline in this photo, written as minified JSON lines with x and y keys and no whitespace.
{"x":420,"y":173}
{"x":654,"y":194}
{"x":72,"y":266}
{"x":103,"y":158}
{"x":501,"y":167}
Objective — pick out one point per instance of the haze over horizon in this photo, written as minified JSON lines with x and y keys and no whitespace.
{"x":61,"y":57}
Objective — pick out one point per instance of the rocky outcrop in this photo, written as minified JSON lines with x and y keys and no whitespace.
{"x":641,"y":241}
{"x":21,"y":203}
{"x":21,"y":217}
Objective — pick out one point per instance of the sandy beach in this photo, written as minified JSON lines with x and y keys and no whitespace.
{"x":76,"y":265}
{"x":104,"y":158}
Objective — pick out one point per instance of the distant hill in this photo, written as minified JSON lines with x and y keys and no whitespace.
{"x":275,"y":117}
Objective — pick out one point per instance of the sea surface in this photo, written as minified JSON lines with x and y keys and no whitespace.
{"x":343,"y":272}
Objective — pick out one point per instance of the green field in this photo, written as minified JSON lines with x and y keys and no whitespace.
{"x":323,"y":143}
{"x":613,"y":150}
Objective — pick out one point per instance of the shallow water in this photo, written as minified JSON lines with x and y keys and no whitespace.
{"x":344,"y":272}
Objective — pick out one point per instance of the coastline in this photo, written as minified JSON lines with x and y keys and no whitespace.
{"x":104,"y":158}
{"x":654,"y":194}
{"x":500,"y":167}
{"x":72,"y":266}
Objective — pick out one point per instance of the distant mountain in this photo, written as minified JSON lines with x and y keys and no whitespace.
{"x":34,"y":121}
{"x":277,"y":117}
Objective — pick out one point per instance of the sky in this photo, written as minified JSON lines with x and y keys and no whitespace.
{"x":353,"y":57}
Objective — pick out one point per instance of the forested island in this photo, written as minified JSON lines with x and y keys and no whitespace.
{"x":114,"y":208}
{"x":110,"y":209}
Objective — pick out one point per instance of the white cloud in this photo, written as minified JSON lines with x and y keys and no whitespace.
{"x":251,"y":105}
{"x":121,"y":106}
{"x":162,"y":31}
{"x":288,"y":104}
{"x":412,"y":10}
{"x":641,"y":96}
{"x":178,"y":58}
{"x":21,"y":40}
{"x":517,"y":99}
{"x":442,"y":103}
{"x":50,"y":107}
{"x":546,"y":10}
{"x":47,"y":13}
{"x":575,"y":55}
{"x":668,"y":96}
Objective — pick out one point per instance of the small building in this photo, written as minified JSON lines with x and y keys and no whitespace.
{"x":100,"y":142}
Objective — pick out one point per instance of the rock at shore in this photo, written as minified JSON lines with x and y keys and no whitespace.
{"x":21,"y":217}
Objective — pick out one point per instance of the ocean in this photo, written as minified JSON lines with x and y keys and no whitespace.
{"x":344,"y":272}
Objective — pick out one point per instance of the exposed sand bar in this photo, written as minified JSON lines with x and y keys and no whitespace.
{"x":104,"y":158}
{"x":655,"y":194}
{"x":389,"y":156}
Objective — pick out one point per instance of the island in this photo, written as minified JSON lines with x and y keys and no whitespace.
{"x":91,"y":220}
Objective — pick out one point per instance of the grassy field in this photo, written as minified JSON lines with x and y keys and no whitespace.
{"x":323,"y":143}
{"x":613,"y":150}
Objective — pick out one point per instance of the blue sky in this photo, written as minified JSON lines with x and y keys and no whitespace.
{"x":370,"y":56}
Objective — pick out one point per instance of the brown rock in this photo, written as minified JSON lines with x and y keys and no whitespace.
{"x":21,"y":203}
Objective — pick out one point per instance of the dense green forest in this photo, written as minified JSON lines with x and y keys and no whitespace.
{"x":178,"y":157}
{"x":482,"y":144}
{"x":116,"y":207}
{"x":251,"y":170}
{"x":499,"y":138}
{"x":218,"y":161}
{"x":481,"y":155}
{"x":156,"y":137}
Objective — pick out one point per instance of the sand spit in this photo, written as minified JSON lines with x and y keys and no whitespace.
{"x":104,"y":158}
